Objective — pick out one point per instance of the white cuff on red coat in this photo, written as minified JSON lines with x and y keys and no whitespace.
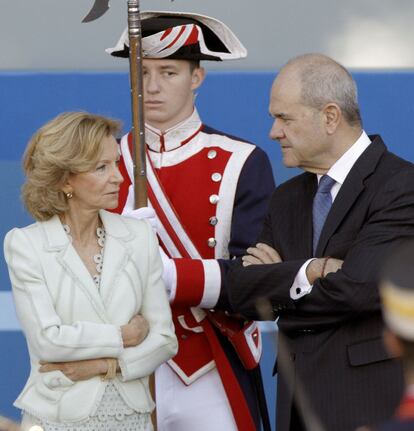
{"x":198,"y":283}
{"x":212,"y":283}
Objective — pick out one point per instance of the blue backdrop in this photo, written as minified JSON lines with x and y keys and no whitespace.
{"x":235,"y":103}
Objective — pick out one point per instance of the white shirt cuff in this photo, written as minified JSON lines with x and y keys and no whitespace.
{"x":301,"y":285}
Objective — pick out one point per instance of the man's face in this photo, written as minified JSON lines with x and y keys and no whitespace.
{"x":298,"y":128}
{"x":168,"y":91}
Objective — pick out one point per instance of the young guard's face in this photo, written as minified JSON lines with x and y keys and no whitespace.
{"x":168,"y":91}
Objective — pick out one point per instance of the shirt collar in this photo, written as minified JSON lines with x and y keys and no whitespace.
{"x":174,"y":137}
{"x":341,"y":168}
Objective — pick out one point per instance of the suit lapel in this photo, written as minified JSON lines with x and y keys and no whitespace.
{"x":304,"y":222}
{"x":116,"y":255}
{"x":66,"y":255}
{"x":350,"y":190}
{"x":116,"y":252}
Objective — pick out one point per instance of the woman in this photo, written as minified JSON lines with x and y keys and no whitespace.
{"x":86,"y":284}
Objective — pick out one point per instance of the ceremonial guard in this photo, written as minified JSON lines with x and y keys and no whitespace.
{"x":209,"y":192}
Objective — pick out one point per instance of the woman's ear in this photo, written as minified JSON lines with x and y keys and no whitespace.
{"x":66,"y":187}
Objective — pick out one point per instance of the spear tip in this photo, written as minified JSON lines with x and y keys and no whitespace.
{"x":99,"y":8}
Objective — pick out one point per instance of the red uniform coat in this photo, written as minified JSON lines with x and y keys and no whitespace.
{"x":218,"y":188}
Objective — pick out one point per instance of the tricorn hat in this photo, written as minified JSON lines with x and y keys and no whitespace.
{"x":183,"y":36}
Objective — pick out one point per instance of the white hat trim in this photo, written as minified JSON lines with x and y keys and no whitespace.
{"x":155,"y":47}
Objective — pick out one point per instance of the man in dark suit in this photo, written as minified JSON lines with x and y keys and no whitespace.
{"x":316,"y":264}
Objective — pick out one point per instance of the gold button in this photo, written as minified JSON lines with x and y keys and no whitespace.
{"x":213,"y":220}
{"x":212,"y":154}
{"x":214,"y":199}
{"x":216,"y":177}
{"x":211,"y":242}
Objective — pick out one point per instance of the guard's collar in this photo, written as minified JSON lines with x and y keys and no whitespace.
{"x":174,"y":137}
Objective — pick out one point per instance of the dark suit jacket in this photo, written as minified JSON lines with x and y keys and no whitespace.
{"x":403,"y":419}
{"x":333,"y":335}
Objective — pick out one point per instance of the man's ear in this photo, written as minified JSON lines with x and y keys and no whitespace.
{"x":332,"y":116}
{"x":197,"y":77}
{"x":392,"y":343}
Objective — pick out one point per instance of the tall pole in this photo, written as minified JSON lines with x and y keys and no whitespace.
{"x":138,"y":127}
{"x":137,"y":103}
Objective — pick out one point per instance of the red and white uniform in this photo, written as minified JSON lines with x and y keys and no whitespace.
{"x":210,"y":193}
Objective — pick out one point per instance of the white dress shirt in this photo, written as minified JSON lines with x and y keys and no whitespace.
{"x":338,"y":171}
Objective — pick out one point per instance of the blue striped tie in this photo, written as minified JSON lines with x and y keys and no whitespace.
{"x":322,"y":203}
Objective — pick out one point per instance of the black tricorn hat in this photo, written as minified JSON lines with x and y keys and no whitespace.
{"x":183,"y":36}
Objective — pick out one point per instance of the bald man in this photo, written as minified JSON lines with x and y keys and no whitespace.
{"x":317,"y":261}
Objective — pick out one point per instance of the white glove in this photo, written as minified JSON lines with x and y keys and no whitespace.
{"x":169,"y":274}
{"x":142,"y":213}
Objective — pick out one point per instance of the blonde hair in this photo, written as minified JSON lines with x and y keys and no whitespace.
{"x":71,"y":143}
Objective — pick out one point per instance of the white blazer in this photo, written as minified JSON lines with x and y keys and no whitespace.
{"x":65,"y":317}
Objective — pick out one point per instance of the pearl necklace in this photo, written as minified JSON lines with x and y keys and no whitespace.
{"x":97,"y":258}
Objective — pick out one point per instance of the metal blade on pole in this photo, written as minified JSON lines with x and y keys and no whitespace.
{"x":98,"y":9}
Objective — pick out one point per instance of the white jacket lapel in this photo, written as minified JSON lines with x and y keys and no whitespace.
{"x":66,"y":255}
{"x":116,"y":252}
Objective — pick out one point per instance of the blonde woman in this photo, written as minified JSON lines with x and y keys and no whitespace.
{"x":86,"y":284}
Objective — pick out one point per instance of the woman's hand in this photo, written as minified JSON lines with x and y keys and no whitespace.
{"x":135,"y":331}
{"x":8,"y":425}
{"x":77,"y":370}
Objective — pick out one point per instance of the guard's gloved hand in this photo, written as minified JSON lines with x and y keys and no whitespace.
{"x":146,"y":213}
{"x":169,"y":274}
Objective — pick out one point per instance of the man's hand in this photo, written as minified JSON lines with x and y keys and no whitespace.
{"x":135,"y":331}
{"x":321,"y":267}
{"x":332,"y":265}
{"x":261,"y":254}
{"x":77,"y":370}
